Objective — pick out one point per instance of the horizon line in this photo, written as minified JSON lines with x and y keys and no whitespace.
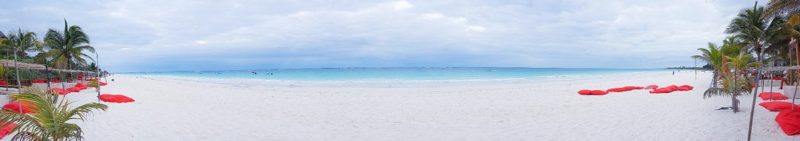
{"x":301,"y":68}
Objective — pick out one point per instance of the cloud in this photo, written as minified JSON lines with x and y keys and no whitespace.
{"x":245,"y":34}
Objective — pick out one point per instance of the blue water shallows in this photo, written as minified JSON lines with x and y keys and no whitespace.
{"x":313,"y":74}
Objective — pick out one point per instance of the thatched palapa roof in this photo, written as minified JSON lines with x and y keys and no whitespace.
{"x":30,"y":66}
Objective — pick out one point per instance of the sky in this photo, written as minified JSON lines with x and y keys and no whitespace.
{"x":190,"y":35}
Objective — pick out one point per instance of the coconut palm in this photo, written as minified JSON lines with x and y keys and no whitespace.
{"x":713,"y":56}
{"x":779,"y":7}
{"x":22,"y":41}
{"x":51,"y":120}
{"x":68,"y":47}
{"x":734,"y":79}
{"x":755,"y":30}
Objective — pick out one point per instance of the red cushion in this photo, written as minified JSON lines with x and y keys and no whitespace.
{"x":685,"y":88}
{"x":617,"y":90}
{"x":634,"y":87}
{"x":59,"y":91}
{"x":789,"y":121}
{"x":27,"y":107}
{"x":585,"y":92}
{"x":772,"y":96}
{"x":599,"y":92}
{"x":74,"y":89}
{"x":624,"y":89}
{"x":778,"y":105}
{"x":662,"y":90}
{"x":115,"y":98}
{"x":7,"y":128}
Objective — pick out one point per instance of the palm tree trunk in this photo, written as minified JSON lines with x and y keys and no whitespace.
{"x":734,"y":92}
{"x":714,"y":79}
{"x":753,"y":104}
{"x":97,"y":70}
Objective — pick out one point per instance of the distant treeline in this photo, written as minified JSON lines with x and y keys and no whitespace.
{"x":706,"y":67}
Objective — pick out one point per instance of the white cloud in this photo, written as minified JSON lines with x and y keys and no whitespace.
{"x":135,"y":35}
{"x":402,"y":5}
{"x":475,"y":29}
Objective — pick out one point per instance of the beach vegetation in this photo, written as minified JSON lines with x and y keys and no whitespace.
{"x":51,"y":120}
{"x":68,"y":47}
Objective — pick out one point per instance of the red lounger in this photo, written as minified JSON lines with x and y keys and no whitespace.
{"x":59,"y":91}
{"x":778,"y":105}
{"x":685,"y":88}
{"x":592,"y":92}
{"x":617,"y":90}
{"x":662,"y":90}
{"x":27,"y":107}
{"x":115,"y":98}
{"x":772,"y":96}
{"x":789,"y":121}
{"x":74,"y":89}
{"x":599,"y":92}
{"x":585,"y":92}
{"x":7,"y":128}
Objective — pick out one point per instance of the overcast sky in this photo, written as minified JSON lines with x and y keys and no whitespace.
{"x":166,"y":35}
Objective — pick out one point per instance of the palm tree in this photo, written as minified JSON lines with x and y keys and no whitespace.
{"x":779,"y":7}
{"x":755,"y":28}
{"x":734,"y":79}
{"x":752,"y":27}
{"x":22,"y":41}
{"x":51,"y":120}
{"x":713,"y":56}
{"x":68,"y":47}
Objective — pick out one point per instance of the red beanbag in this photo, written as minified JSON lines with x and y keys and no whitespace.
{"x":59,"y":91}
{"x":7,"y":128}
{"x":115,"y":98}
{"x":27,"y":107}
{"x":685,"y":88}
{"x":617,"y":90}
{"x":585,"y":92}
{"x":778,"y":105}
{"x":662,"y":90}
{"x":789,"y":121}
{"x":74,"y":89}
{"x":599,"y":92}
{"x":772,"y":96}
{"x":633,"y":87}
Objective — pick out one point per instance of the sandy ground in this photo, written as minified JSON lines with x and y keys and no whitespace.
{"x":548,"y":109}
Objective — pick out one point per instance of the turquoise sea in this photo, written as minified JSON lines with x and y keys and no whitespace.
{"x":476,"y":73}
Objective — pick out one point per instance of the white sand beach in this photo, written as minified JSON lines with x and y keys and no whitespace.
{"x":206,"y":109}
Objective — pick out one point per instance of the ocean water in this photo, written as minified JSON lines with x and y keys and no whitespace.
{"x":349,"y":74}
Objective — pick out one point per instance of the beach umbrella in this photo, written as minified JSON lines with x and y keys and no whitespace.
{"x":115,"y":98}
